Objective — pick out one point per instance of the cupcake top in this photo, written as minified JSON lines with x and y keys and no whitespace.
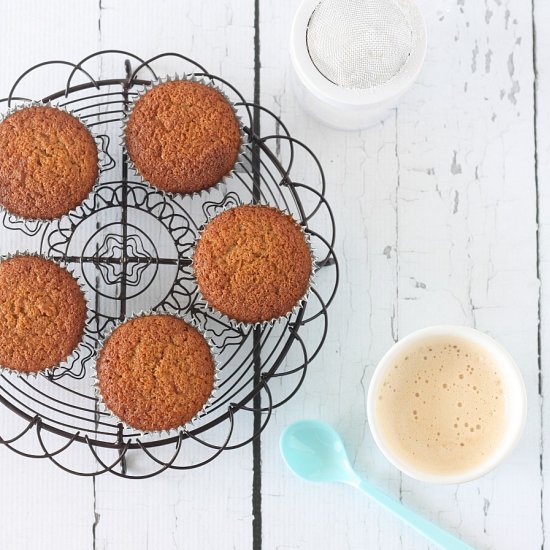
{"x":253,"y":263}
{"x":48,"y":162}
{"x":155,"y":372}
{"x":183,"y":136}
{"x":42,"y":314}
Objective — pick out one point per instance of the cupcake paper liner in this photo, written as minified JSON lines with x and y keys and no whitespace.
{"x":100,"y":154}
{"x":89,"y":314}
{"x":172,"y":431}
{"x":241,"y":325}
{"x":200,"y":80}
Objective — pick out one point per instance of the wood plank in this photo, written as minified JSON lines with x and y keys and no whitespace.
{"x":361,"y":171}
{"x":464,"y":169}
{"x":39,"y":501}
{"x":177,"y":508}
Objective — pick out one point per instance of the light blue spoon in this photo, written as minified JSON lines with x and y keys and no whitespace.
{"x":315,"y":452}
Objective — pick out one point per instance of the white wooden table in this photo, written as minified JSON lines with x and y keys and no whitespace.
{"x":441,"y":212}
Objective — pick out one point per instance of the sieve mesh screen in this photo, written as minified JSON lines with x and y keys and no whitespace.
{"x":360,"y":44}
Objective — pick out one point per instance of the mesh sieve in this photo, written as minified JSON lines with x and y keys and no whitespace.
{"x":360,"y":44}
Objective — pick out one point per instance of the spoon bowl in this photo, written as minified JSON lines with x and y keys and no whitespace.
{"x":314,"y":451}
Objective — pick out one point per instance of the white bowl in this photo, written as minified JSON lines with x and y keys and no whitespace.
{"x":514,"y":387}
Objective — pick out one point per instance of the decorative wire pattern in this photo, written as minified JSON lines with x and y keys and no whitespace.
{"x":109,"y":242}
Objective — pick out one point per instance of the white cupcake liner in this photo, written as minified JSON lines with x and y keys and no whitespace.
{"x":241,"y":325}
{"x":173,"y":431}
{"x":100,"y":154}
{"x":200,"y":80}
{"x":89,"y":315}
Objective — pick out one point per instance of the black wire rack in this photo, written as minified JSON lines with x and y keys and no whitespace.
{"x":130,"y":245}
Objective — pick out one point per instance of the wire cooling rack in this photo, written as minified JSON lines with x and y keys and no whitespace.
{"x":130,"y":246}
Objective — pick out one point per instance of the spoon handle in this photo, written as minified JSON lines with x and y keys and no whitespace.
{"x":432,"y":532}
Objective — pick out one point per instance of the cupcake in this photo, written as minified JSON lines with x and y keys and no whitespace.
{"x":253,"y":264}
{"x":155,"y":372}
{"x":48,"y":162}
{"x":183,"y":136}
{"x":42,"y":314}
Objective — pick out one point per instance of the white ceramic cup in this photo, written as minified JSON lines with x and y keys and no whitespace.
{"x":514,"y":391}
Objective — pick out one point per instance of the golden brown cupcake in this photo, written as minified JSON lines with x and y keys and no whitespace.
{"x":253,"y":263}
{"x":42,"y":314}
{"x":155,"y":372}
{"x":183,"y":136}
{"x":48,"y":162}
